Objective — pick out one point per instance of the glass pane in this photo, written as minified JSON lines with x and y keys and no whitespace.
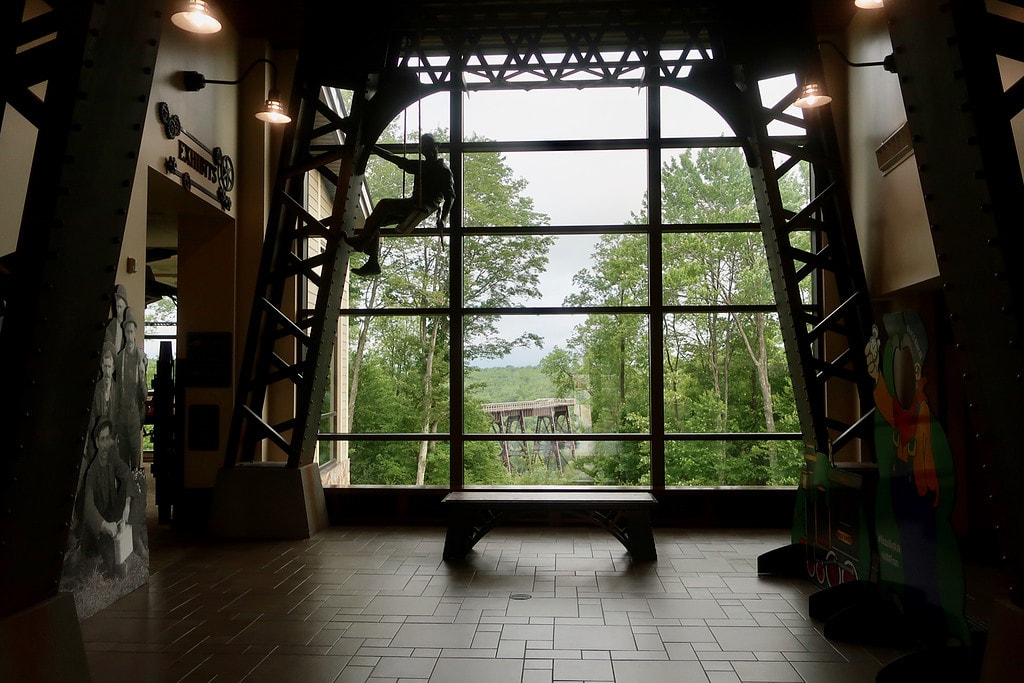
{"x":772,"y":92}
{"x":414,"y":274}
{"x":335,"y":466}
{"x":556,"y":114}
{"x":398,"y":463}
{"x":327,"y":450}
{"x":340,"y":102}
{"x":429,"y":115}
{"x":599,"y":361}
{"x":389,"y":387}
{"x":716,"y":269}
{"x":520,"y":460}
{"x":727,"y":372}
{"x":795,"y":187}
{"x":570,"y":270}
{"x":802,"y":242}
{"x":523,"y":461}
{"x":555,"y":188}
{"x":707,"y":185}
{"x":331,"y":420}
{"x":516,"y":341}
{"x":685,"y":115}
{"x":1011,"y":71}
{"x":733,"y":463}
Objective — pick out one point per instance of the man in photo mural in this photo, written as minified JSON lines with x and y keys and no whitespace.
{"x":131,"y":383}
{"x":114,"y":332}
{"x":106,"y":397}
{"x":105,"y":401}
{"x":106,"y":501}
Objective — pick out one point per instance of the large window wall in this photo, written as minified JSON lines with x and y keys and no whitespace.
{"x":600,"y":312}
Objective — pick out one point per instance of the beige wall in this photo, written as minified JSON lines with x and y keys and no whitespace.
{"x":1011,"y":71}
{"x":206,"y":233}
{"x":218,"y":262}
{"x":206,"y":292}
{"x":17,"y":141}
{"x":888,"y":210}
{"x":219,"y":251}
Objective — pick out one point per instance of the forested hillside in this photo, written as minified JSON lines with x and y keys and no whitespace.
{"x":509,"y":383}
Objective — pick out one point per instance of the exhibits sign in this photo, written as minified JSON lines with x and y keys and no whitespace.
{"x":212,"y":165}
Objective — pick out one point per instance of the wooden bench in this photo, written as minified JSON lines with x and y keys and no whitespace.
{"x":624,"y":514}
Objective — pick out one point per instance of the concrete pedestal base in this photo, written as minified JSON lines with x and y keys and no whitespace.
{"x":267,"y":501}
{"x":43,"y":644}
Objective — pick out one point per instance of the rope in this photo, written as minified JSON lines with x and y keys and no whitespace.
{"x":405,"y":143}
{"x":419,"y":140}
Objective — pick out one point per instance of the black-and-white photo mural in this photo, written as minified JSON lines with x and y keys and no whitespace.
{"x":108,"y":547}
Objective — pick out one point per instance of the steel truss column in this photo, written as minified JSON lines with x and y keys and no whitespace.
{"x":307,"y":257}
{"x":279,"y":341}
{"x":89,"y":129}
{"x":959,"y":114}
{"x":821,"y":290}
{"x":825,"y":340}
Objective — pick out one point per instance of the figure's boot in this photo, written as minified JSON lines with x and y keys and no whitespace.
{"x":359,"y":242}
{"x":371,"y":267}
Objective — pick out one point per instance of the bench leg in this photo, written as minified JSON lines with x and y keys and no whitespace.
{"x":640,"y":537}
{"x":456,"y":541}
{"x":632,"y":528}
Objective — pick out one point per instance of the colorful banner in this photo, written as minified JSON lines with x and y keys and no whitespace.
{"x":919,"y":557}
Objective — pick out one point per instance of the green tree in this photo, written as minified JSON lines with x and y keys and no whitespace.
{"x":563,"y":370}
{"x":724,"y":372}
{"x":615,"y":355}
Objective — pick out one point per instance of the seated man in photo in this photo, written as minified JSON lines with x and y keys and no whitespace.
{"x":106,"y":505}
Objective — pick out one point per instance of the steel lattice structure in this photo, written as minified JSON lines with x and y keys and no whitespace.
{"x":421,"y":49}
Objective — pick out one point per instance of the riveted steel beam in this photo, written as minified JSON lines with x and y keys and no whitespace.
{"x":959,"y":112}
{"x":89,"y":123}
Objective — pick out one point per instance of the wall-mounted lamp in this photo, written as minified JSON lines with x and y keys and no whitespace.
{"x":273,"y":110}
{"x":813,"y":94}
{"x":196,"y":18}
{"x":869,"y":4}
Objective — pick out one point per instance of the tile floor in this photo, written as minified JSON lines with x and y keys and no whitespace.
{"x":529,"y":605}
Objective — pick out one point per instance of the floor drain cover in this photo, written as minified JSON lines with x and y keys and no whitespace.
{"x":520,"y":596}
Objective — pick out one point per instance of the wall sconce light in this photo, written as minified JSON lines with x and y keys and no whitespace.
{"x":273,"y":110}
{"x":196,"y":18}
{"x":814,"y":95}
{"x":869,"y":4}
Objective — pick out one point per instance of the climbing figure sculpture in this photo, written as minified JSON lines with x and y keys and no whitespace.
{"x":433,"y":188}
